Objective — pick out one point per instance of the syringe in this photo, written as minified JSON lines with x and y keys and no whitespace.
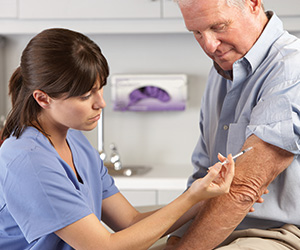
{"x":237,"y":155}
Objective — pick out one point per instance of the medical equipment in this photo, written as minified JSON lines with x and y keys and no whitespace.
{"x":237,"y":155}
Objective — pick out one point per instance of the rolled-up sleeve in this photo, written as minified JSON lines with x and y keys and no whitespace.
{"x":276,"y":120}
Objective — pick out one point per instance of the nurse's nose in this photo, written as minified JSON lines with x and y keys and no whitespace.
{"x":99,"y":102}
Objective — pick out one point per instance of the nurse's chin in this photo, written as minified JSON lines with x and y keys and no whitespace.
{"x":92,"y":126}
{"x":87,"y":127}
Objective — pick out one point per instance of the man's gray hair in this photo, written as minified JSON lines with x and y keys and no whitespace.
{"x":237,"y":3}
{"x":228,"y":2}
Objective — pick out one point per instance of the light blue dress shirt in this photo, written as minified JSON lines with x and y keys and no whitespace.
{"x":261,"y":98}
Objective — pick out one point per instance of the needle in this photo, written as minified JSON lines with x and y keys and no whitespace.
{"x":237,"y":155}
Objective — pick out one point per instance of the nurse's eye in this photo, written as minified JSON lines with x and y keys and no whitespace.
{"x":85,"y":97}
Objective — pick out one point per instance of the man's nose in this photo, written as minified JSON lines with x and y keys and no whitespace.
{"x":210,"y":43}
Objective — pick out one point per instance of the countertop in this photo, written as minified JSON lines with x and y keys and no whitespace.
{"x":173,"y":177}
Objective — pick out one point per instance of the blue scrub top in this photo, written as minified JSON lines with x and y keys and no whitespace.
{"x":40,"y":194}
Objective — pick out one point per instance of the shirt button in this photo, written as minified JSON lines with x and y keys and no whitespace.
{"x":225,"y":127}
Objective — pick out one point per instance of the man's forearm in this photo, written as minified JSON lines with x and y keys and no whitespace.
{"x":213,"y":224}
{"x":218,"y":217}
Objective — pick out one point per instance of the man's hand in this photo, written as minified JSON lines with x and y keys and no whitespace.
{"x":172,"y":242}
{"x":260,"y":200}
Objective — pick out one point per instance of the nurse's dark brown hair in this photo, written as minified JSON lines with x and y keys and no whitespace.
{"x":56,"y":61}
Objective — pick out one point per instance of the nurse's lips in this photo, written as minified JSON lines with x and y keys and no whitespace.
{"x":95,"y":118}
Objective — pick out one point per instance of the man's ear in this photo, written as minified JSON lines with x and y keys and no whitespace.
{"x":255,"y":5}
{"x":42,"y":98}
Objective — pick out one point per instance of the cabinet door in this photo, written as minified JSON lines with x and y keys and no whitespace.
{"x":88,"y":9}
{"x":283,"y":8}
{"x":8,"y":8}
{"x":171,"y":9}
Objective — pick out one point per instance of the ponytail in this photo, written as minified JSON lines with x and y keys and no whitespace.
{"x":21,"y":99}
{"x":15,"y":85}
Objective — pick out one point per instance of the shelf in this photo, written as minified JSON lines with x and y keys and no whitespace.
{"x":128,"y":26}
{"x":159,"y":178}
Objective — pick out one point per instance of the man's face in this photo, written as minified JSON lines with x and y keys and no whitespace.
{"x":225,"y":33}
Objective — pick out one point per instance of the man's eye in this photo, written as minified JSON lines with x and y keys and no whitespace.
{"x":197,"y":33}
{"x":219,"y":28}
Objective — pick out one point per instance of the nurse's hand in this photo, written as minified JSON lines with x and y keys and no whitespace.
{"x":260,"y":199}
{"x":215,"y":183}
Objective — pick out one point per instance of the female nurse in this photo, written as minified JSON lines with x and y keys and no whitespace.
{"x":54,"y":189}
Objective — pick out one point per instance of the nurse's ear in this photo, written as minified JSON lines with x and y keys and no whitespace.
{"x":42,"y":98}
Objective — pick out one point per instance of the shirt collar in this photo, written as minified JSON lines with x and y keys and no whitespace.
{"x":227,"y":74}
{"x":258,"y":52}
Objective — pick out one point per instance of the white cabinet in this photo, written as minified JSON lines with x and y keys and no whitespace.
{"x":166,"y":196}
{"x":89,"y":9}
{"x":8,"y":8}
{"x":113,"y":16}
{"x":283,"y":8}
{"x":139,"y":198}
{"x":170,"y":9}
{"x":159,"y":186}
{"x":93,"y":16}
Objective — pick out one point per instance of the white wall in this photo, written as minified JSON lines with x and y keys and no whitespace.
{"x":154,"y":138}
{"x":2,"y":78}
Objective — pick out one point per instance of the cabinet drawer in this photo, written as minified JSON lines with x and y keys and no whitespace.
{"x":140,"y":197}
{"x":171,"y":9}
{"x":166,"y":196}
{"x":8,"y":8}
{"x":88,"y":9}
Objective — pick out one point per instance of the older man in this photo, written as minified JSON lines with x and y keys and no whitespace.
{"x":251,"y":99}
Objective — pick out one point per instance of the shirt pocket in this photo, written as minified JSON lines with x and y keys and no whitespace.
{"x":236,"y":137}
{"x":2,"y":201}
